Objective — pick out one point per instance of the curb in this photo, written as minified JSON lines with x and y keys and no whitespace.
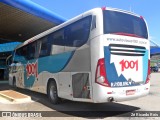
{"x":14,"y":96}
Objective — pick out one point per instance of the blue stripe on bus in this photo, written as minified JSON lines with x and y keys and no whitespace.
{"x":52,"y":64}
{"x":145,"y":66}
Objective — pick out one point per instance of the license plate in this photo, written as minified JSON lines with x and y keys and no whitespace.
{"x":130,"y":92}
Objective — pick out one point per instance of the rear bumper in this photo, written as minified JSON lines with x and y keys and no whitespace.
{"x":120,"y":94}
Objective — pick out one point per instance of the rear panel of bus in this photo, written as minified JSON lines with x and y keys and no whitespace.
{"x":120,"y":58}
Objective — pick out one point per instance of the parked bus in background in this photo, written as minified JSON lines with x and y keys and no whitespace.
{"x":99,"y":56}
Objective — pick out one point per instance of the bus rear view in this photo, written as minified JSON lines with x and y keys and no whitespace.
{"x":121,"y":57}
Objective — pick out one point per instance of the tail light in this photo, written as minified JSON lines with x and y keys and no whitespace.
{"x":101,"y":77}
{"x":149,"y":72}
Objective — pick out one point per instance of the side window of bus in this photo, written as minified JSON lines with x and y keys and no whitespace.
{"x":24,"y":52}
{"x":44,"y":47}
{"x":32,"y":50}
{"x":58,"y":41}
{"x":21,"y":55}
{"x":78,"y":32}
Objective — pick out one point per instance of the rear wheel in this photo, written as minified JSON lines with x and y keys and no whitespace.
{"x":52,"y":92}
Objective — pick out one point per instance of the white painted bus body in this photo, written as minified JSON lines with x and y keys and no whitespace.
{"x":82,"y":65}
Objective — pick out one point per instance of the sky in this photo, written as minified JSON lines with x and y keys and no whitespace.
{"x":149,"y":9}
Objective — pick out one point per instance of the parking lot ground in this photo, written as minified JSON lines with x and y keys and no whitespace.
{"x":78,"y":110}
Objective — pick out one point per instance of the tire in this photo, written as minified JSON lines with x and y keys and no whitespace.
{"x":53,"y":93}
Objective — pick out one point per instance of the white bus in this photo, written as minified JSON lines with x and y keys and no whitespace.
{"x":99,"y":56}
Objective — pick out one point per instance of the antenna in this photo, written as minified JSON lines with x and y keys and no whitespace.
{"x":130,"y":9}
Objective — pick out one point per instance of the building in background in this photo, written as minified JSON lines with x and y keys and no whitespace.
{"x":19,"y":21}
